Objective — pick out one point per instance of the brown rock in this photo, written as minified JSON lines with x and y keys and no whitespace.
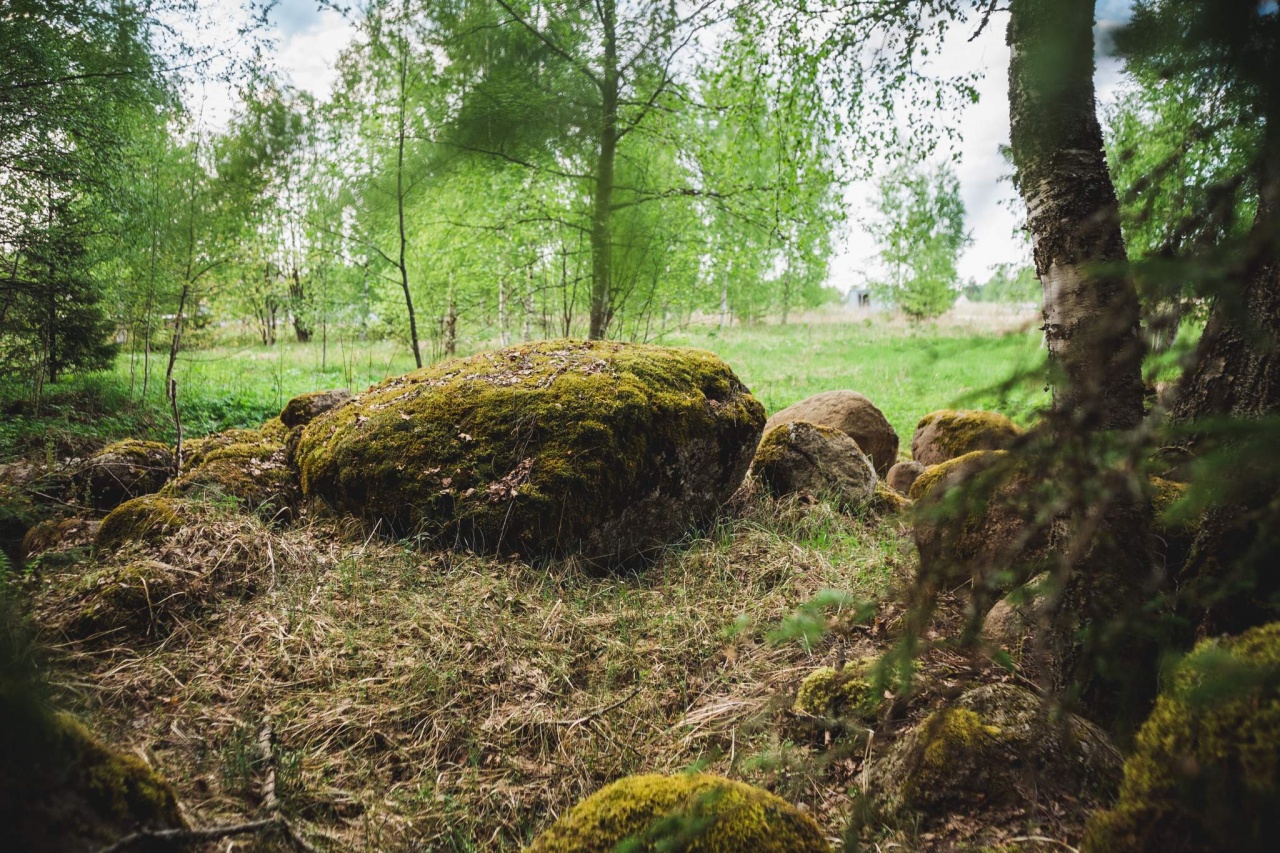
{"x":854,"y":415}
{"x":902,"y":475}
{"x":818,"y":460}
{"x":305,"y":408}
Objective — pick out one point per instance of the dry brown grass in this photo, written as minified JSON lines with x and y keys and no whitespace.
{"x":441,"y":701}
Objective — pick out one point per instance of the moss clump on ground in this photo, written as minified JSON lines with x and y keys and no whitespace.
{"x":305,"y":408}
{"x":62,"y":789}
{"x":606,"y":450}
{"x":140,"y":520}
{"x":828,"y":692}
{"x":998,"y":746}
{"x":697,"y":813}
{"x":256,"y":473}
{"x":800,"y":457}
{"x":946,"y":434}
{"x":57,"y":534}
{"x":120,"y":471}
{"x":1205,"y":773}
{"x":196,"y":450}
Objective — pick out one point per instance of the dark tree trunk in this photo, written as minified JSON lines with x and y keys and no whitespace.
{"x":602,"y":203}
{"x":297,"y":298}
{"x":1091,"y":325}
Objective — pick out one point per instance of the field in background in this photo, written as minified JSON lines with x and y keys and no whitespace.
{"x":907,"y":370}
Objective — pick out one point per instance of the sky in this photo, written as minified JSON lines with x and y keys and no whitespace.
{"x":310,"y":39}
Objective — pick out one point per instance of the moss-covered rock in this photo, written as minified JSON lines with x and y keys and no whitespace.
{"x":946,"y":434}
{"x":1014,"y":619}
{"x":62,"y":789}
{"x":976,"y":517}
{"x":902,"y":475}
{"x":997,"y":747}
{"x":120,"y":471}
{"x":607,"y":450}
{"x":274,"y":430}
{"x":854,"y":415}
{"x":58,"y":534}
{"x":800,"y":457}
{"x":256,"y":472}
{"x":305,"y":408}
{"x":886,"y":501}
{"x":140,"y":520}
{"x":828,"y":692}
{"x":697,"y":813}
{"x":1205,"y":773}
{"x":196,"y":450}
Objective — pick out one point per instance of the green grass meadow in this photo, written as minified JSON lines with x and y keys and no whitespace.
{"x":907,"y":371}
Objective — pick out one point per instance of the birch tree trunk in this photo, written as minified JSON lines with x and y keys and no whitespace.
{"x":1098,"y":654}
{"x":1091,"y":312}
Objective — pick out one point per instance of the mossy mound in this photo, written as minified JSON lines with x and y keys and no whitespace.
{"x":58,"y":534}
{"x":1205,"y":773}
{"x":196,"y":450}
{"x":697,"y":813}
{"x":800,"y":457}
{"x":256,"y":473}
{"x":997,"y":747}
{"x":275,"y":430}
{"x":976,"y":518}
{"x":141,"y":599}
{"x":607,"y":450}
{"x":886,"y":501}
{"x":947,"y":434}
{"x":62,"y":789}
{"x":140,"y":520}
{"x":831,"y":693}
{"x":305,"y":408}
{"x":120,"y":471}
{"x":854,"y":415}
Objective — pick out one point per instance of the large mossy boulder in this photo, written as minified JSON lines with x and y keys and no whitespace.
{"x":801,"y":457}
{"x":1205,"y":773}
{"x":141,"y":520}
{"x":696,"y":813}
{"x":254,"y":470}
{"x":854,"y":415}
{"x":62,"y":789}
{"x":121,"y":471}
{"x":305,"y":408}
{"x":948,"y":434}
{"x":977,"y":517}
{"x":606,"y":450}
{"x":997,"y":747}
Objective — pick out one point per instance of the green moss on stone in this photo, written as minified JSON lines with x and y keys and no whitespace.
{"x":946,"y":434}
{"x":696,"y":813}
{"x":139,"y":520}
{"x":256,"y":473}
{"x":1205,"y":773}
{"x":826,"y":692}
{"x":604,"y":449}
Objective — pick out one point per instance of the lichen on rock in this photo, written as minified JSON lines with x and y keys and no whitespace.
{"x":696,"y":813}
{"x":1205,"y":771}
{"x":606,"y":450}
{"x":947,"y":434}
{"x":800,"y":457}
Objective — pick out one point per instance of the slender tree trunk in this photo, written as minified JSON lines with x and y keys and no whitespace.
{"x":1098,"y":652}
{"x":602,"y":204}
{"x":1091,"y":310}
{"x":400,"y":140}
{"x":297,"y":299}
{"x":504,"y":337}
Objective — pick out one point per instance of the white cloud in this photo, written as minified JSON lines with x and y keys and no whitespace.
{"x":309,"y":54}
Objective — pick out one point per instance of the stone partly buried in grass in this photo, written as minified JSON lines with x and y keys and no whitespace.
{"x":1205,"y":773}
{"x":607,"y":450}
{"x":997,"y":747}
{"x":120,"y":471}
{"x":822,"y":461}
{"x":254,"y":470}
{"x":948,"y":434}
{"x":854,"y":415}
{"x":697,"y":813}
{"x":62,"y":789}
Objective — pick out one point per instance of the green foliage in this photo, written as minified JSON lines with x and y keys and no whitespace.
{"x":920,"y":234}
